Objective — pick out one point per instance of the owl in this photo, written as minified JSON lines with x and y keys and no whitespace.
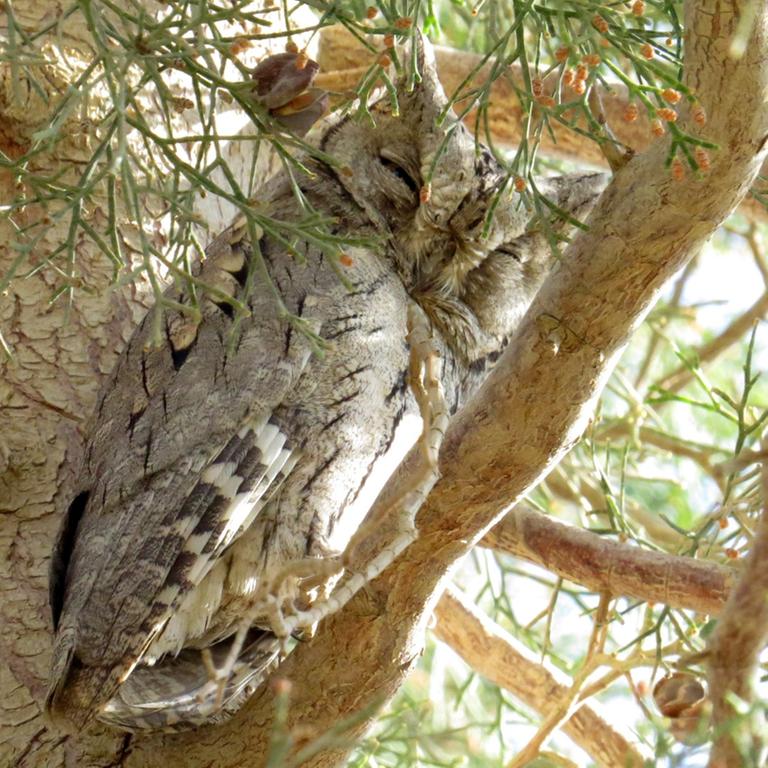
{"x":235,"y":449}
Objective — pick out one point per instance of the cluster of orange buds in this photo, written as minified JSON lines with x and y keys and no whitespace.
{"x":562,"y":54}
{"x":646,"y":51}
{"x":403,"y":23}
{"x":239,"y":44}
{"x":519,"y":184}
{"x":702,"y":158}
{"x":638,"y":8}
{"x":631,"y":112}
{"x":678,"y":169}
{"x":371,"y":12}
{"x":665,"y":113}
{"x":670,"y":95}
{"x":600,"y":24}
{"x":699,"y":115}
{"x":592,"y":59}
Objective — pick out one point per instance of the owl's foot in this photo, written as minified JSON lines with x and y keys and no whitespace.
{"x":277,"y":602}
{"x":425,"y":372}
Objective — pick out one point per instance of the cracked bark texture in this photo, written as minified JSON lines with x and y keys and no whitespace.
{"x":60,"y":355}
{"x":529,"y":414}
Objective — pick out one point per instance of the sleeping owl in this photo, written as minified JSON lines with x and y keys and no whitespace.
{"x":219,"y":458}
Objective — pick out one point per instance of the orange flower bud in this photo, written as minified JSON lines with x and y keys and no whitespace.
{"x":702,"y":158}
{"x":567,"y":77}
{"x":519,"y":184}
{"x":671,"y":95}
{"x":638,"y":8}
{"x":404,"y":22}
{"x":371,"y":12}
{"x":646,"y":50}
{"x":561,"y":54}
{"x":599,"y":23}
{"x":657,"y":128}
{"x":537,"y":87}
{"x":665,"y":113}
{"x":345,"y":260}
{"x":291,"y":47}
{"x":699,"y":115}
{"x":678,"y":170}
{"x":631,"y":112}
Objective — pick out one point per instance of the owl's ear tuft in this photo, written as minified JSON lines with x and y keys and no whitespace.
{"x":420,"y":77}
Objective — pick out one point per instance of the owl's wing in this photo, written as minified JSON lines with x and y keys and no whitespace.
{"x":181,"y":458}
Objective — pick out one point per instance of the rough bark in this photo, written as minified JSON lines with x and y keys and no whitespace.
{"x":531,"y":411}
{"x":60,"y":353}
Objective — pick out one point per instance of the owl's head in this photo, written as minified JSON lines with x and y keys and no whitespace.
{"x":420,"y":177}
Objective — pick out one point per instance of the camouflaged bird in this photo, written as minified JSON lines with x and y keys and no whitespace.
{"x":216,"y":460}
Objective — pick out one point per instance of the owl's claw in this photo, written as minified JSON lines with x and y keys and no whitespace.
{"x":284,"y":589}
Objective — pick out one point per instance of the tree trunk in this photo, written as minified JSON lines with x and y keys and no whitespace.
{"x":530,"y":412}
{"x":58,"y":353}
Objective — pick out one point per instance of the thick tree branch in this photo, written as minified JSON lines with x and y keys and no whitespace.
{"x":497,"y":656}
{"x":734,"y":650}
{"x":532,"y":409}
{"x":603,"y":565}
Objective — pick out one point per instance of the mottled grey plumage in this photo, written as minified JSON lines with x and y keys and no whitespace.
{"x":210,"y":466}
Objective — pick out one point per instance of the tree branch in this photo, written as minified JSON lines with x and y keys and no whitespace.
{"x":498,"y":657}
{"x":734,"y":650}
{"x":603,"y":565}
{"x":531,"y":410}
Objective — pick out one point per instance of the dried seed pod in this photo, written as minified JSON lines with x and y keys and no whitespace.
{"x":278,"y":80}
{"x":283,"y":85}
{"x":676,"y":693}
{"x":683,"y":699}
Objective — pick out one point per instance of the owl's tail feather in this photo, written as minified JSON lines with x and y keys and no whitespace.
{"x":167,"y":695}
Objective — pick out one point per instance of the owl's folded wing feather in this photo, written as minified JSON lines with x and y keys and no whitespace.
{"x":166,"y":488}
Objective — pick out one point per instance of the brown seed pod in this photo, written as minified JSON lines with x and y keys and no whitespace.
{"x":676,"y":693}
{"x":683,"y":699}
